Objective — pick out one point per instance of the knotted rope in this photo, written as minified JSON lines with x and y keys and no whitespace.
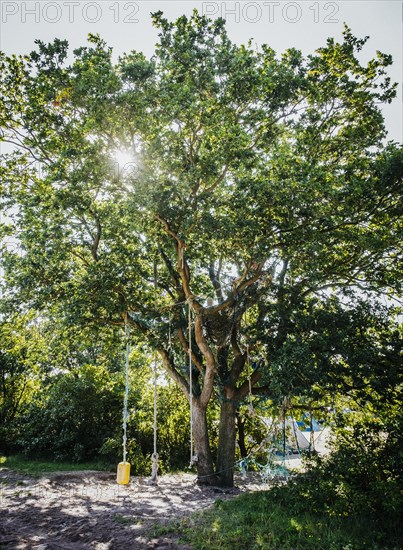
{"x":192,"y":458}
{"x":154,"y":457}
{"x":126,"y":395}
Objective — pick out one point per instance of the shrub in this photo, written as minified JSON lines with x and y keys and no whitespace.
{"x":73,"y":416}
{"x":361,"y":478}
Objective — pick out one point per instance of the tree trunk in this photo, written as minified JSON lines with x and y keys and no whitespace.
{"x":241,"y":435}
{"x":202,"y":451}
{"x":226,"y":444}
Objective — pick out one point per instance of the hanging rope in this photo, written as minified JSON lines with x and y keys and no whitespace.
{"x":155,"y":406}
{"x":311,"y":434}
{"x":284,"y":429}
{"x":126,"y":395}
{"x":294,"y":429}
{"x":192,"y":458}
{"x":169,"y":332}
{"x":249,"y":370}
{"x":154,"y":457}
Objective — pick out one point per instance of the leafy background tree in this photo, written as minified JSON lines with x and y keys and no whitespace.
{"x":259,"y":181}
{"x":62,"y":395}
{"x":22,"y":366}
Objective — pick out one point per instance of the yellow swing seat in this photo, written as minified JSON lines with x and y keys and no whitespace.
{"x":123,"y":474}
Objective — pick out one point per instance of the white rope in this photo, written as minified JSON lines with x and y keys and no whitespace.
{"x":155,"y":406}
{"x":126,"y":396}
{"x":249,"y":369}
{"x":154,"y":458}
{"x":311,"y":434}
{"x":169,"y":332}
{"x":190,"y":385}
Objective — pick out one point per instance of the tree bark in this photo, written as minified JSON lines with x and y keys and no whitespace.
{"x":202,"y":451}
{"x":241,"y":436}
{"x":226,"y":442}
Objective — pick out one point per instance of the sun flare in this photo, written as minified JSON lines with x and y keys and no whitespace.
{"x":123,"y":158}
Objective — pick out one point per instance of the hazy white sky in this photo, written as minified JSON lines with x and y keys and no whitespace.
{"x":126,"y":25}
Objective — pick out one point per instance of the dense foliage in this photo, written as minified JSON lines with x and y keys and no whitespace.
{"x":288,"y":517}
{"x":260,"y":191}
{"x":62,"y":395}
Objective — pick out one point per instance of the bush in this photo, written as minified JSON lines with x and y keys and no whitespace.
{"x":73,"y":417}
{"x":78,"y":417}
{"x":361,"y":478}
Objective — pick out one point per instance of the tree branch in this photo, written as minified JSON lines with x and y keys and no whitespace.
{"x":209,"y":375}
{"x":172,"y":371}
{"x":185,"y":346}
{"x":243,"y":389}
{"x":217,"y":181}
{"x":215,"y":280}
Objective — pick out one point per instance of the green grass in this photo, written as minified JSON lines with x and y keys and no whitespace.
{"x":267,"y":520}
{"x":40,"y":467}
{"x":126,"y":520}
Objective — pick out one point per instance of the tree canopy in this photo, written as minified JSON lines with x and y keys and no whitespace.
{"x":257,"y":181}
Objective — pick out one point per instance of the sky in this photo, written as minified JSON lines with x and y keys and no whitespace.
{"x":126,"y":26}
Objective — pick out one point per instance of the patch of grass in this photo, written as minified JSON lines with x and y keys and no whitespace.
{"x":39,"y":467}
{"x":125,"y":520}
{"x":170,"y":527}
{"x":269,"y":520}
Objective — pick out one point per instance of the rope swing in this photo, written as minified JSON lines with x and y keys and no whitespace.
{"x":126,"y":396}
{"x":249,"y":372}
{"x":154,"y":457}
{"x":153,"y":480}
{"x":192,"y":458}
{"x":123,"y":473}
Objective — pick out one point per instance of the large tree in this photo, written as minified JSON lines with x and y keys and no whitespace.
{"x":256,"y":180}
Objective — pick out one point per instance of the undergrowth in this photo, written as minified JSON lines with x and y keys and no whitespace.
{"x":279,"y":519}
{"x":39,"y":467}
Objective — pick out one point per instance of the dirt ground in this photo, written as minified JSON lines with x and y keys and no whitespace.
{"x":88,"y":510}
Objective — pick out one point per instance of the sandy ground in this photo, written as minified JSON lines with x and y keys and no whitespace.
{"x":88,"y":510}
